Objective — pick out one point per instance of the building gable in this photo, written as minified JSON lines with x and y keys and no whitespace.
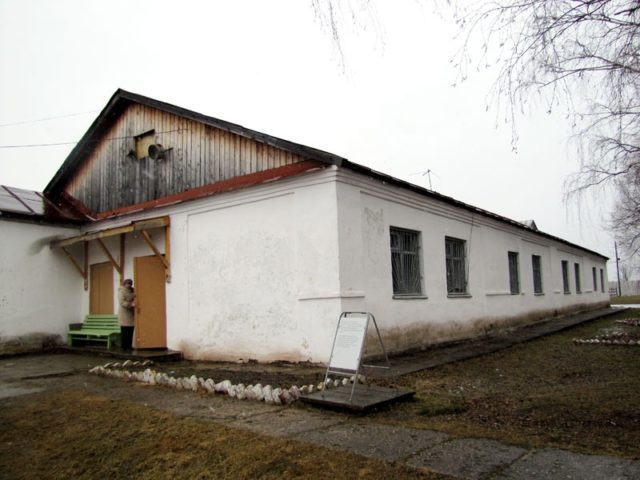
{"x":140,"y":150}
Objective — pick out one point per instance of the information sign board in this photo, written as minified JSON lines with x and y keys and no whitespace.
{"x":348,"y":342}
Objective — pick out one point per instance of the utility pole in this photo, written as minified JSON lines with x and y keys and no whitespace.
{"x":615,"y":244}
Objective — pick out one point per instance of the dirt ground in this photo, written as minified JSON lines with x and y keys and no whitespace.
{"x":549,"y":392}
{"x":75,"y":434}
{"x":546,"y":393}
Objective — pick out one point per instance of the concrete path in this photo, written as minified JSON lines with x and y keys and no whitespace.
{"x":464,"y":458}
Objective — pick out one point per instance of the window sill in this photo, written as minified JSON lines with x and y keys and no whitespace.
{"x":458,"y":295}
{"x":539,"y":294}
{"x":410,"y":297}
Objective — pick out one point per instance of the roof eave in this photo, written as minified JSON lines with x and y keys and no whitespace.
{"x":74,"y":157}
{"x":41,"y":219}
{"x":452,"y":201}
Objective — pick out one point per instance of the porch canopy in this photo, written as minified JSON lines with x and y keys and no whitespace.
{"x":140,"y":226}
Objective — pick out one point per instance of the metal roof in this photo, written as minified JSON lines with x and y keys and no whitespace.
{"x":21,"y":201}
{"x":32,"y":205}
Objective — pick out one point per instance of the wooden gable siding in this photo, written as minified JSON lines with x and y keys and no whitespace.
{"x":198,"y":155}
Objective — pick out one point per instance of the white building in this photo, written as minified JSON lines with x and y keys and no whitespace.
{"x":246,"y":246}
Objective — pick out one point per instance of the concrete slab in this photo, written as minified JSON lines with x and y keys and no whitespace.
{"x":562,"y":465}
{"x":286,"y":421}
{"x":37,"y":366}
{"x":227,"y":409}
{"x":11,"y":390}
{"x":376,"y":441}
{"x":361,"y":399}
{"x":470,"y":458}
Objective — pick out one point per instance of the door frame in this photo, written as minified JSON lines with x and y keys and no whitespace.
{"x":95,"y":283}
{"x":150,"y":333}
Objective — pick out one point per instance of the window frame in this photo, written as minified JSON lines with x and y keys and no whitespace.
{"x":602,"y":280}
{"x":142,"y":142}
{"x":514,"y":272}
{"x":566,"y":286}
{"x":538,"y":286}
{"x":595,"y":279}
{"x":456,"y":265}
{"x":576,"y":271}
{"x":404,"y":253}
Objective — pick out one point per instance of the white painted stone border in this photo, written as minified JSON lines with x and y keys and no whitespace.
{"x":605,"y":341}
{"x":634,"y":322}
{"x":267,"y":394}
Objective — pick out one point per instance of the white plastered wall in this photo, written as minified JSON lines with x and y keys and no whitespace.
{"x":367,"y":211}
{"x":255,"y":272}
{"x":260,"y":280}
{"x":41,"y":290}
{"x":264,"y":272}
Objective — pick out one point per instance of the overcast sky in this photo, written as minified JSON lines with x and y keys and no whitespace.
{"x":270,"y":66}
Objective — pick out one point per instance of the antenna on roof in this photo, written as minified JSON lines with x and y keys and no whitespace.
{"x":428,"y":173}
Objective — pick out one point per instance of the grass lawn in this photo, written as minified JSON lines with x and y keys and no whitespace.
{"x":548,"y":392}
{"x":72,"y":434}
{"x":625,"y":300}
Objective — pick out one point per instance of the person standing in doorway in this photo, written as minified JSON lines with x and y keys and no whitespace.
{"x":127,"y":302}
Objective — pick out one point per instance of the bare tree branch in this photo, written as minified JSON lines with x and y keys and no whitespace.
{"x":583,"y":53}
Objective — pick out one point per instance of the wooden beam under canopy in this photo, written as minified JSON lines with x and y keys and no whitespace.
{"x":83,"y":271}
{"x":122,"y":257}
{"x":165,"y":259}
{"x":110,"y":232}
{"x":106,"y":251}
{"x":140,"y":226}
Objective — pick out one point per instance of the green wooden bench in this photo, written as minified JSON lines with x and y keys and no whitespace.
{"x":96,"y":328}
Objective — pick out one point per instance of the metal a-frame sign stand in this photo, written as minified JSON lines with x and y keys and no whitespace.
{"x":348,"y":347}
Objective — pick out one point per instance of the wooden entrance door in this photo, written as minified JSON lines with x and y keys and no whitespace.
{"x":101,"y":289}
{"x":150,"y":313}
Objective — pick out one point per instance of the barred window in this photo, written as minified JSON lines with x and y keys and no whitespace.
{"x":577,"y":272}
{"x":405,"y":261}
{"x":514,"y":274}
{"x":565,"y":276}
{"x":456,"y":266}
{"x":536,"y":265}
{"x":595,"y":279}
